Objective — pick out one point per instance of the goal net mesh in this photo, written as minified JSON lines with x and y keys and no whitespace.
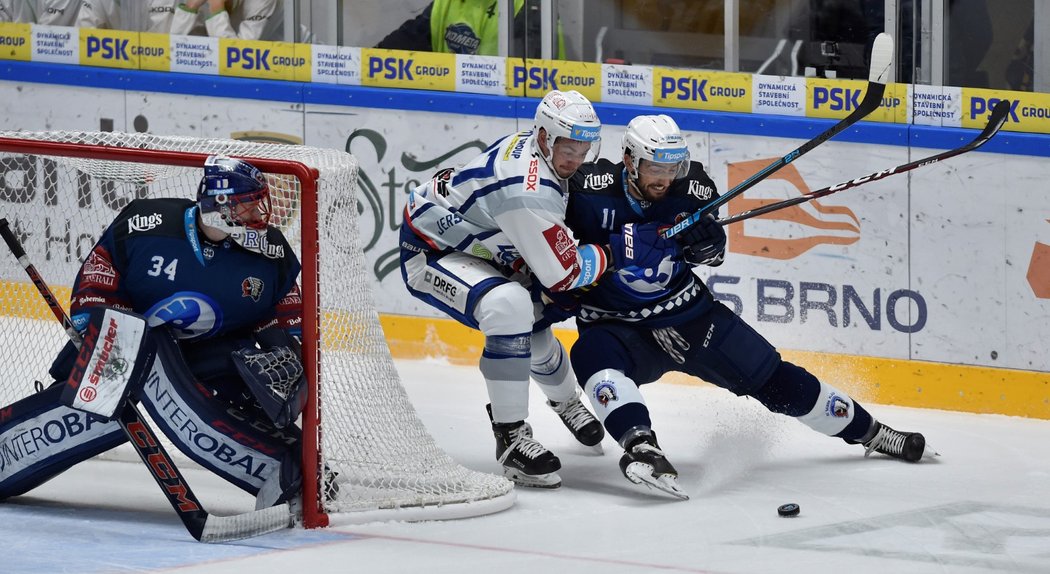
{"x":371,"y":442}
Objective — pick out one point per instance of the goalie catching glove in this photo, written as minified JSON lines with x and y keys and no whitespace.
{"x":276,"y":379}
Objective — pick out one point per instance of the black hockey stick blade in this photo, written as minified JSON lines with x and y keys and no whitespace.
{"x":881,"y":61}
{"x":995,"y":122}
{"x":198,"y":522}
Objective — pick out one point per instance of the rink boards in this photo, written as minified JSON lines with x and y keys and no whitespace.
{"x":928,"y":289}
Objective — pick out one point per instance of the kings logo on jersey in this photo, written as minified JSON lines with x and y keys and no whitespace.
{"x":598,"y":180}
{"x":700,"y":191}
{"x":139,"y":222}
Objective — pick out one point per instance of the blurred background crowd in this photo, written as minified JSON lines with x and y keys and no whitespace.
{"x":1000,"y":44}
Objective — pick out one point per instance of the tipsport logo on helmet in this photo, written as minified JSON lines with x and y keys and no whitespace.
{"x":670,"y":155}
{"x":586,"y":133}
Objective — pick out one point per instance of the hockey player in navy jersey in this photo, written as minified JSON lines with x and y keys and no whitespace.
{"x":482,"y":243}
{"x":217,"y":287}
{"x":649,"y":314}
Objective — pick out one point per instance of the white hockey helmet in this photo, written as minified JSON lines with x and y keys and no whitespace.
{"x":233,"y":197}
{"x":658,"y":141}
{"x":567,"y":115}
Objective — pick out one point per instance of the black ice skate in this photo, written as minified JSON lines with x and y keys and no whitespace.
{"x":909,"y":446}
{"x":644,"y":462}
{"x":525,"y":461}
{"x":580,"y":422}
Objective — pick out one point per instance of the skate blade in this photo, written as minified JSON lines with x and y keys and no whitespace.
{"x":928,"y":452}
{"x":641,"y":473}
{"x":597,"y":449}
{"x":550,"y":480}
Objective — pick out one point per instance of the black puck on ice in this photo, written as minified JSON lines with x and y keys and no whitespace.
{"x":791,"y":509}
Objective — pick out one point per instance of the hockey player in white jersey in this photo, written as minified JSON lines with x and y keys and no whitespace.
{"x":487,"y":244}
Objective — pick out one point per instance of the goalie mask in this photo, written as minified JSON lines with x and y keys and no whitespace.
{"x":567,"y":118}
{"x":234,"y":198}
{"x":656,"y":148}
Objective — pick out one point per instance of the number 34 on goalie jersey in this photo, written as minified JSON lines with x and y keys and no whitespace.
{"x":168,"y":272}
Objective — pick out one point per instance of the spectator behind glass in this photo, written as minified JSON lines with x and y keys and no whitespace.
{"x":470,"y":27}
{"x":15,"y":11}
{"x":244,"y":19}
{"x":46,"y":12}
{"x":115,"y":15}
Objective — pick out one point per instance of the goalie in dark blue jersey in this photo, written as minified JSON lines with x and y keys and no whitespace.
{"x":650,"y":315}
{"x":223,"y":377}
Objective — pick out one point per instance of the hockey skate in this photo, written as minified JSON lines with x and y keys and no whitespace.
{"x":525,"y":461}
{"x":909,"y":446}
{"x":580,"y":422}
{"x":644,"y":462}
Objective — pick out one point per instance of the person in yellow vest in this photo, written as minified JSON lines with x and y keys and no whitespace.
{"x":470,"y":27}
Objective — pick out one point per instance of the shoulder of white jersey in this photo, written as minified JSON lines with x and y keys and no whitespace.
{"x":697,"y":184}
{"x":514,"y":148}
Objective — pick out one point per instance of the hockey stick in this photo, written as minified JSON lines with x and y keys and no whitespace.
{"x":995,"y":122}
{"x":201,"y":525}
{"x":881,"y":58}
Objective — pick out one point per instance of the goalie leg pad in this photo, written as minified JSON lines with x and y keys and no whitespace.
{"x":41,"y":438}
{"x":241,"y":446}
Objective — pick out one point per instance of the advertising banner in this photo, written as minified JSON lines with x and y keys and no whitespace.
{"x":948,"y":264}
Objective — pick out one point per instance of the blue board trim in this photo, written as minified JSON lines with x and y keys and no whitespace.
{"x":1013,"y":143}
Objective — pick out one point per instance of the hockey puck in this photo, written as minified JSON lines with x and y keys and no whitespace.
{"x":791,"y":509}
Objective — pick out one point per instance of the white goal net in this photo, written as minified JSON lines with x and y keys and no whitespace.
{"x":59,"y":190}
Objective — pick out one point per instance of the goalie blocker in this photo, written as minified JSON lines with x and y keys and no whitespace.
{"x":42,"y":435}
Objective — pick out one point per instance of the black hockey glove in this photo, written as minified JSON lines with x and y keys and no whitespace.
{"x":704,"y":242}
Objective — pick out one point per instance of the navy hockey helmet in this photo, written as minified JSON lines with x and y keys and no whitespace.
{"x":233,"y":197}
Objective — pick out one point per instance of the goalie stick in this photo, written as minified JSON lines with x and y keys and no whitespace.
{"x":203,"y":526}
{"x":881,"y":58}
{"x":995,"y":122}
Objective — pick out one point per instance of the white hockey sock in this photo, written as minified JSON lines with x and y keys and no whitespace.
{"x":609,"y":390}
{"x":550,"y":367}
{"x":832,"y":412}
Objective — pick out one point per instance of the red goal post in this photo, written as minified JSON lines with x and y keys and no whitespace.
{"x":59,"y":190}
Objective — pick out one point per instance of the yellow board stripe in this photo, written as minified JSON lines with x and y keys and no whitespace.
{"x":884,"y":381}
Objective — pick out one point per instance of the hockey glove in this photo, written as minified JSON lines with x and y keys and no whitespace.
{"x":551,"y":307}
{"x":275,"y":378}
{"x":704,"y":242}
{"x":643,"y":260}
